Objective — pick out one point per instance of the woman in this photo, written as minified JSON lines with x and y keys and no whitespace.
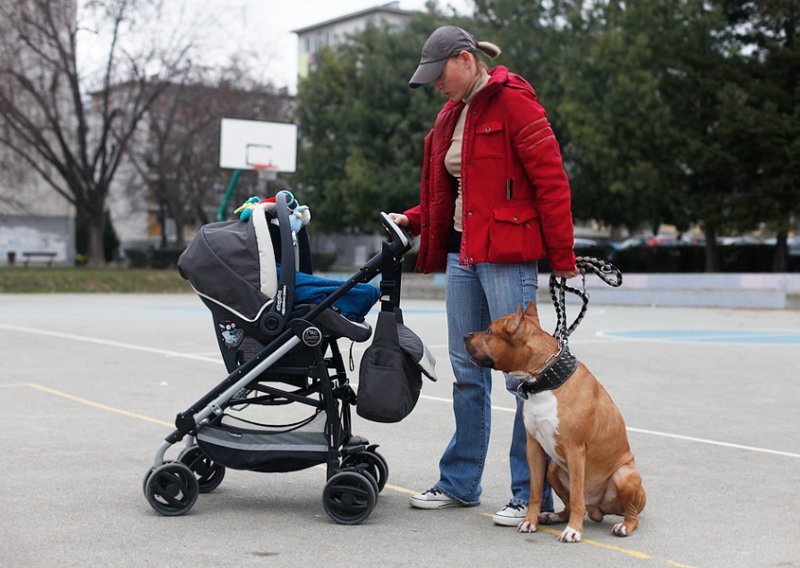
{"x":494,"y":199}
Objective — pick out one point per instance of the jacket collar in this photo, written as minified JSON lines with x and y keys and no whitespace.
{"x":479,"y":83}
{"x":498,"y":76}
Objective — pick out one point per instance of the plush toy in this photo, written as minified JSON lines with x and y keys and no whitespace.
{"x":299,"y":215}
{"x":246,"y":208}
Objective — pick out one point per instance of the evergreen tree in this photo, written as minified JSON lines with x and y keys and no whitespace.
{"x":362,"y":128}
{"x":768,"y":110}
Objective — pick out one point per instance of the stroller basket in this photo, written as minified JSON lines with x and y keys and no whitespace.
{"x":266,"y":450}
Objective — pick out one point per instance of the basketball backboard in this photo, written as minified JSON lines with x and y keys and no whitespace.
{"x":245,"y":144}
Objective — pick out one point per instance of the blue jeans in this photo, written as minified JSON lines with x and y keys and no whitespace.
{"x":474,"y":296}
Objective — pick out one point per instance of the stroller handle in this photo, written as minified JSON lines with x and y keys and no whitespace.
{"x":400,"y":240}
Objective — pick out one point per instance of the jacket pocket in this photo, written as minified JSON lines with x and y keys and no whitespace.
{"x":514,"y":236}
{"x":489,"y":141}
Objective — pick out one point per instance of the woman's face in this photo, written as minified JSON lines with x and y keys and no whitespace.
{"x":459,"y":73}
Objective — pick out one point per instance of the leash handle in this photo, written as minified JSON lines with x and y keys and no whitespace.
{"x":604,"y":270}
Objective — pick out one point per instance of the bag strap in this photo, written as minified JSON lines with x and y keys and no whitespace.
{"x":391,"y":275}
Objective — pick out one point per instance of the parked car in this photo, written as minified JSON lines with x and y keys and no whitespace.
{"x":599,"y":248}
{"x":793,"y":244}
{"x":674,"y":240}
{"x":632,"y":242}
{"x":740,"y":240}
{"x":583,"y":242}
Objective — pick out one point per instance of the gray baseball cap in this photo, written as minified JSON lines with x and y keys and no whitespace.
{"x":443,"y":43}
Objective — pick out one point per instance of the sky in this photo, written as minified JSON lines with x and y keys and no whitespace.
{"x":265,"y":26}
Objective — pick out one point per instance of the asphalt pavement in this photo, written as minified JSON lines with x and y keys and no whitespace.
{"x":90,"y":384}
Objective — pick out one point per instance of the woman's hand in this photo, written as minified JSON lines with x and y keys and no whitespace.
{"x":566,"y":273}
{"x":400,"y":219}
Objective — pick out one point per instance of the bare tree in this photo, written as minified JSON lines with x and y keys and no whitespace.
{"x":72,"y":132}
{"x":179,"y":162}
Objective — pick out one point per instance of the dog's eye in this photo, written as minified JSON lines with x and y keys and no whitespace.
{"x":489,"y":331}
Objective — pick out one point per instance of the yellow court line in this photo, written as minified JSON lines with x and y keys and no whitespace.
{"x":629,"y":552}
{"x":98,"y":405}
{"x":396,"y":488}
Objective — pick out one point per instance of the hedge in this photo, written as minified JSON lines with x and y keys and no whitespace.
{"x":667,"y":258}
{"x":153,"y":258}
{"x":686,"y":258}
{"x":692,"y":258}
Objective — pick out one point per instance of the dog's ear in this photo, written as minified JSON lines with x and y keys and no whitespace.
{"x":532,"y":312}
{"x":513,"y":323}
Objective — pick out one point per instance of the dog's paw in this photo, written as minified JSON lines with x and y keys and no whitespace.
{"x":527,"y":526}
{"x":620,"y":530}
{"x":570,"y":535}
{"x":550,"y":519}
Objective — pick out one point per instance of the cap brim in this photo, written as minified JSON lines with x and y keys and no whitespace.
{"x":427,"y":73}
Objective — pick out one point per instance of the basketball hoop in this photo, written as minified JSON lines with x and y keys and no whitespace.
{"x":266,"y":172}
{"x":254,"y":145}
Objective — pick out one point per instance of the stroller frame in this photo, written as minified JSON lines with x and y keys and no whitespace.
{"x":171,"y":487}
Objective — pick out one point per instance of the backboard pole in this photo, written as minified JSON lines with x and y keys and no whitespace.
{"x":223,"y":206}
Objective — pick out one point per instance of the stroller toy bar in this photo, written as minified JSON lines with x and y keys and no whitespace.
{"x":299,"y":215}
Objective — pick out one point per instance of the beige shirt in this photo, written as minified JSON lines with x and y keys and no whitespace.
{"x":452,"y":159}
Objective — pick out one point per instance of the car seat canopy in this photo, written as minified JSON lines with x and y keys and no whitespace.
{"x":232,"y":263}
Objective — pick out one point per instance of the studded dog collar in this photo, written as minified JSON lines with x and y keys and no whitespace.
{"x":559,"y":368}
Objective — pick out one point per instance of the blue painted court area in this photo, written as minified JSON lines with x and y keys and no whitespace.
{"x":728,"y":336}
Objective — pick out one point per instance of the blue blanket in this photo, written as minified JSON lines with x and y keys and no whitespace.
{"x":354,"y":305}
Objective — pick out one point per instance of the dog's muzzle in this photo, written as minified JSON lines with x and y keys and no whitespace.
{"x":484,"y":361}
{"x":479,"y":359}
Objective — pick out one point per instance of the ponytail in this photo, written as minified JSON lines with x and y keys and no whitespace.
{"x":489,"y":49}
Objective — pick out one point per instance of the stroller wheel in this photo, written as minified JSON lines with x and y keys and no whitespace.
{"x":146,"y":477}
{"x":348,"y":497}
{"x":365,"y":471}
{"x":376,"y":465}
{"x":209,"y":473}
{"x":171,"y":489}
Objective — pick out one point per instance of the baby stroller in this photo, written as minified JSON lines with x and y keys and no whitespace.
{"x":275,"y":351}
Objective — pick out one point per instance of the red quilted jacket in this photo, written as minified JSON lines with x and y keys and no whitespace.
{"x":516,"y":196}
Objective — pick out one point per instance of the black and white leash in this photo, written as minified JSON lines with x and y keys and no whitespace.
{"x":606,"y":271}
{"x":560,"y":366}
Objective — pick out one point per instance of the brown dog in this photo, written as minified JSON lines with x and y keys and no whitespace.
{"x":577,"y":424}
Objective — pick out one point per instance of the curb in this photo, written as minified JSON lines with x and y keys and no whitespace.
{"x":720,"y":290}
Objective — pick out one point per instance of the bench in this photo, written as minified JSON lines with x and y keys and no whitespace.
{"x":48,"y":255}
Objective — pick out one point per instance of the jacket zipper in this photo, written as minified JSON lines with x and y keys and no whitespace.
{"x":468,"y":126}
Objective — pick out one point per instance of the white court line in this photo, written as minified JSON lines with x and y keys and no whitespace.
{"x":110,"y":343}
{"x":169,"y":353}
{"x":704,"y":340}
{"x":654,"y":433}
{"x":444,"y":347}
{"x":714,"y":442}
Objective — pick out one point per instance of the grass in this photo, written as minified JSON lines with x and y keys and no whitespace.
{"x":59,"y":279}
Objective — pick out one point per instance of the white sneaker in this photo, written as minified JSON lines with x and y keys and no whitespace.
{"x":432,"y":499}
{"x":510,"y":515}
